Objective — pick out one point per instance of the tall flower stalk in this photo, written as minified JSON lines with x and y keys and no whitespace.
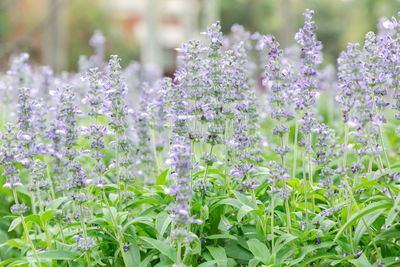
{"x":180,"y":162}
{"x":117,"y":110}
{"x":311,"y":57}
{"x":278,"y":81}
{"x":8,"y":156}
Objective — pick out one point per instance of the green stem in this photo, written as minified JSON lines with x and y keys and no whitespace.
{"x":117,"y":230}
{"x":310,"y":176}
{"x":380,"y":129}
{"x":272,"y":225}
{"x":311,"y":182}
{"x":26,"y":230}
{"x":285,"y":186}
{"x":226,"y":178}
{"x":305,"y":186}
{"x":295,"y":150}
{"x":49,"y":177}
{"x":30,"y":240}
{"x":117,"y":169}
{"x":84,"y":234}
{"x":153,"y":141}
{"x":349,"y":207}
{"x":48,"y":240}
{"x":363,"y":220}
{"x":61,"y":232}
{"x":206,"y":170}
{"x":179,"y":254}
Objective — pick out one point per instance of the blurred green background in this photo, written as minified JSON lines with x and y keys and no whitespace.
{"x":133,"y":26}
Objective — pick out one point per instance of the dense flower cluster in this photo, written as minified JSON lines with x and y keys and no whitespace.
{"x":114,"y":166}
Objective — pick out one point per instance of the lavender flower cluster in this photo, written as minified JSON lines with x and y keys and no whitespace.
{"x":123,"y":155}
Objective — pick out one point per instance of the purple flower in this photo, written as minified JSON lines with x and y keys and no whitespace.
{"x":357,"y":254}
{"x":303,"y":225}
{"x":19,"y":209}
{"x":311,"y":58}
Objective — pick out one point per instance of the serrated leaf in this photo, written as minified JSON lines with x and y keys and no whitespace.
{"x":162,"y":247}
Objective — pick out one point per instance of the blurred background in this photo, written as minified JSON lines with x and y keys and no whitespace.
{"x":57,"y":32}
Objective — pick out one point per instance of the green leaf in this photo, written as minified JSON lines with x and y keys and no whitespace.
{"x":305,"y":250}
{"x":232,"y":202}
{"x":54,"y":204}
{"x":218,"y":253}
{"x":259,"y":250}
{"x":33,"y":218}
{"x":57,"y":255}
{"x":13,"y":243}
{"x":162,"y":177}
{"x":324,"y":256}
{"x":162,"y":247}
{"x":222,"y":236}
{"x":46,"y":217}
{"x":12,"y":261}
{"x":359,"y":214}
{"x":133,"y":254}
{"x":208,"y":264}
{"x":362,"y":261}
{"x":196,"y":245}
{"x":394,"y":170}
{"x":394,"y":211}
{"x":254,"y":263}
{"x":244,"y":200}
{"x":107,"y":215}
{"x":14,"y":223}
{"x":243,"y":211}
{"x":162,"y":221}
{"x":369,"y":219}
{"x":327,"y":225}
{"x":237,"y":252}
{"x":283,"y":240}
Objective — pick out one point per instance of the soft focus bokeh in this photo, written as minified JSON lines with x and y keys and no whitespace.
{"x":57,"y":32}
